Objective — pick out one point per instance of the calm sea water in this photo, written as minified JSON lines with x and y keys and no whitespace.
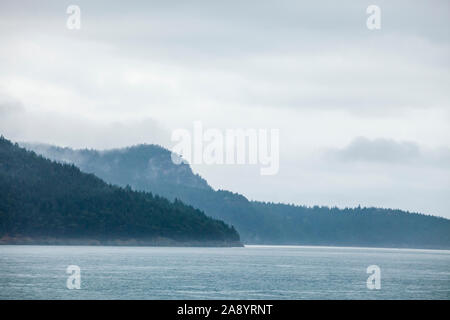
{"x":253,"y":272}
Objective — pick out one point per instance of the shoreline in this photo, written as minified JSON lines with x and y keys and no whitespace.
{"x":192,"y":244}
{"x":124,"y":242}
{"x":167,"y":242}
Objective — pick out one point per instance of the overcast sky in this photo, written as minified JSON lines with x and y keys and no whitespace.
{"x":363,"y":114}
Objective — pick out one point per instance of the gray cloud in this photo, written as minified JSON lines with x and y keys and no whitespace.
{"x":379,"y":150}
{"x":390,"y":151}
{"x":10,"y":107}
{"x":19,"y":124}
{"x":255,"y":53}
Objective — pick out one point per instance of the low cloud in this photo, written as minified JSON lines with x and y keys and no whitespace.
{"x":19,"y":124}
{"x":389,"y":151}
{"x":378,"y":150}
{"x":10,"y":107}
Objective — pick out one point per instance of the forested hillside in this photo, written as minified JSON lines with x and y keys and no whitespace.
{"x":354,"y":226}
{"x":149,"y":168}
{"x":43,"y":199}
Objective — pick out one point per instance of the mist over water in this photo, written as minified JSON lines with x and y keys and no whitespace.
{"x":253,"y":272}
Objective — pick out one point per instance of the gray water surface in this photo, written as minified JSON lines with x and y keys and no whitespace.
{"x":253,"y":272}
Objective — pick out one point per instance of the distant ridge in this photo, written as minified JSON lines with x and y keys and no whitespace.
{"x":149,"y":168}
